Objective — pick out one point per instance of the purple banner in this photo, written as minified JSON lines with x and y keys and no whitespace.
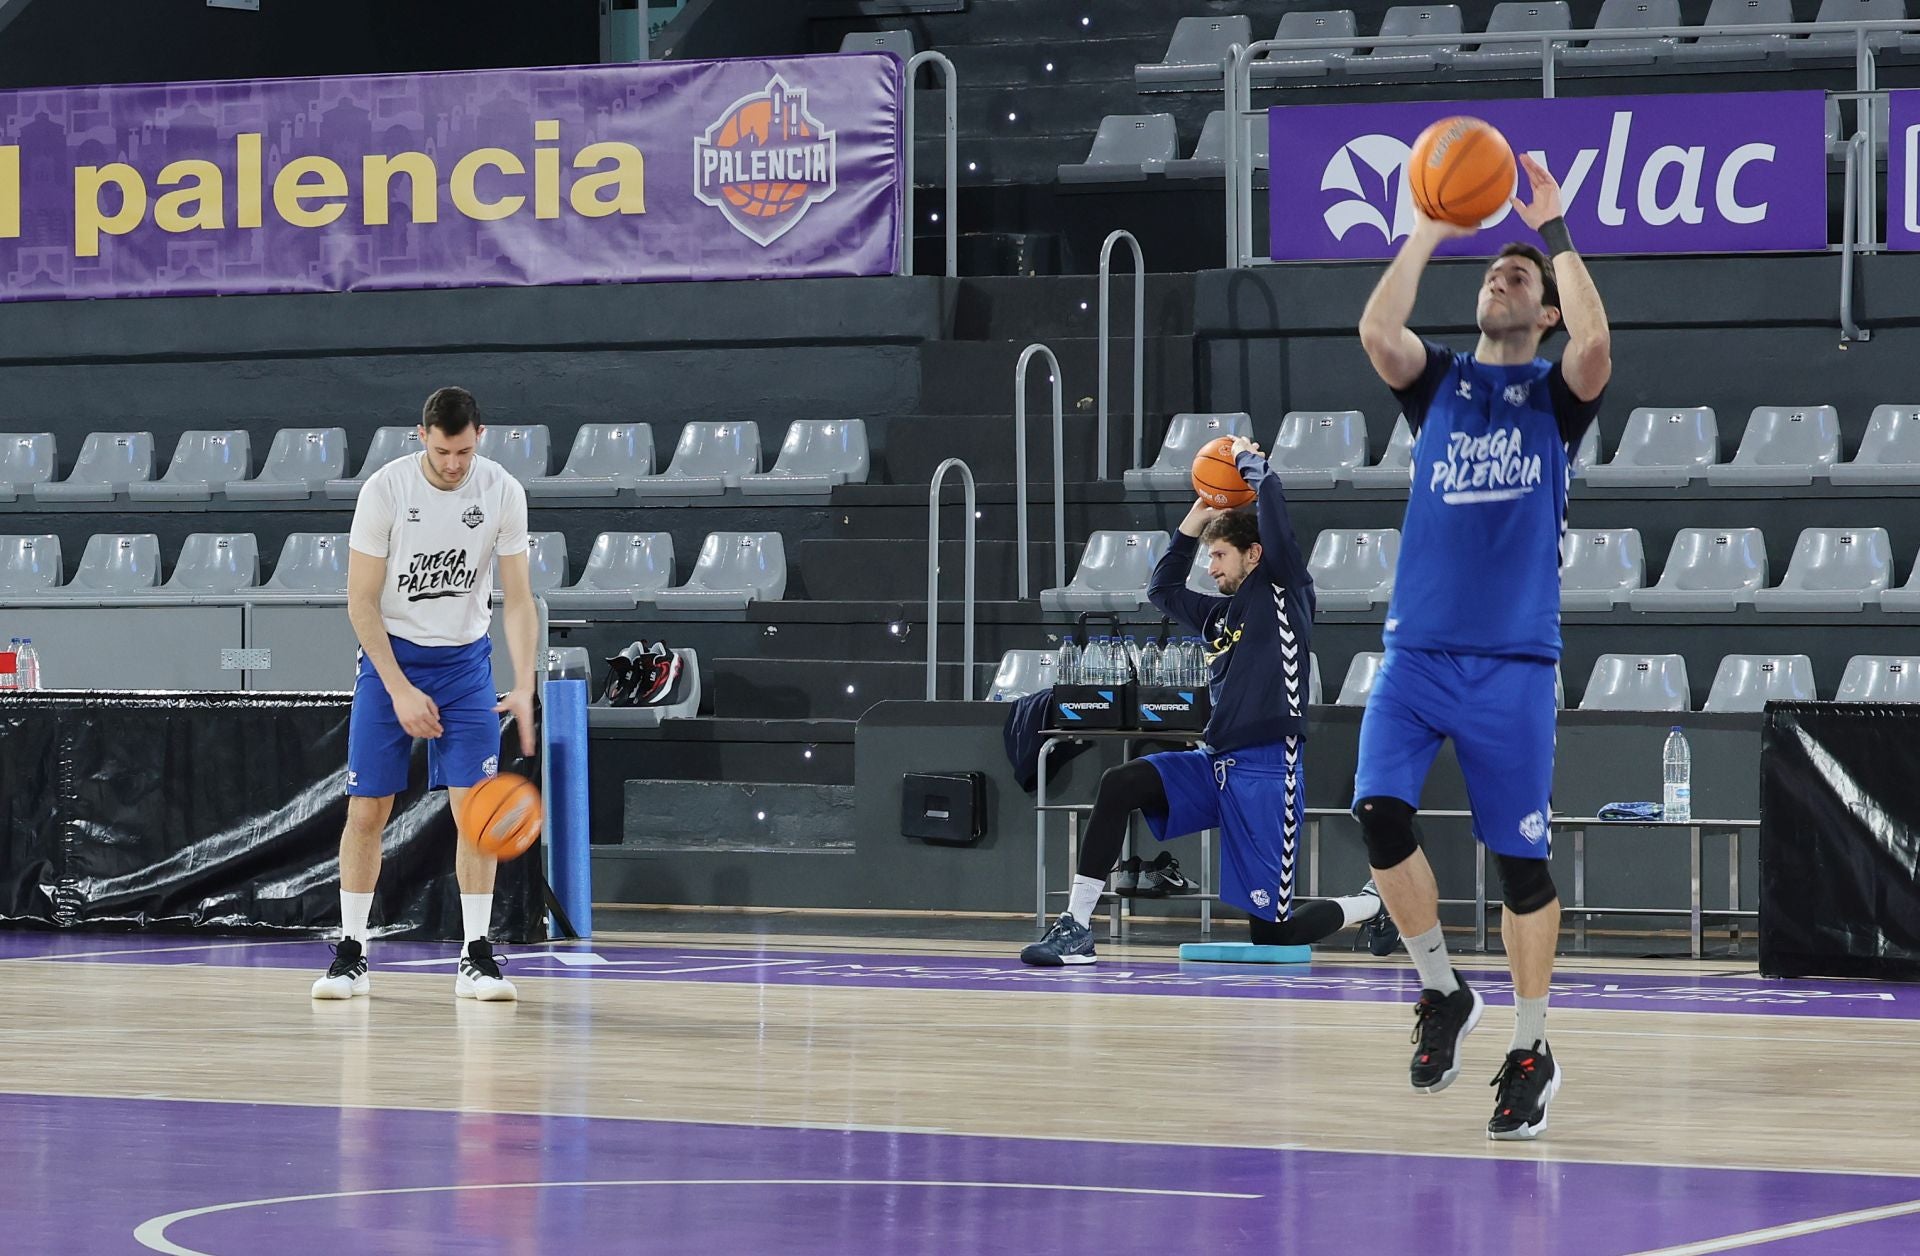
{"x":1695,"y":173}
{"x":744,"y":169}
{"x":1903,"y":170}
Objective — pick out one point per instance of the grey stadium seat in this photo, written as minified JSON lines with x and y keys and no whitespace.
{"x":1197,"y":578}
{"x":1112,"y":575}
{"x":1317,"y":448}
{"x":1308,"y":62}
{"x":388,"y":443}
{"x":202,"y":464}
{"x":1783,"y":445}
{"x":300,"y":462}
{"x":1662,"y":447}
{"x":116,"y":563}
{"x":1747,"y":682}
{"x":1517,"y":15}
{"x":734,"y":570}
{"x":1411,"y":19}
{"x":1126,"y":149}
{"x":1209,"y":159}
{"x":30,"y":564}
{"x":1172,"y":469}
{"x":1906,"y":598}
{"x":623,"y":569}
{"x":1833,"y":569}
{"x":605,"y":458}
{"x":1629,"y":15}
{"x":525,"y":450}
{"x":1194,"y":54}
{"x":109,"y":463}
{"x":1637,"y":682}
{"x":1314,"y":696}
{"x":1889,"y":450}
{"x":1600,"y":567}
{"x":1353,"y":570}
{"x":26,"y":459}
{"x":546,"y":561}
{"x":1880,"y":678}
{"x":817,"y":456}
{"x":311,"y":562}
{"x":1395,"y":468}
{"x":1022,"y":672}
{"x":1361,"y":673}
{"x":216,"y":562}
{"x":899,"y":43}
{"x":1740,"y":47}
{"x":1587,"y":453}
{"x":708,"y":459}
{"x":1708,"y":569}
{"x":1839,"y":45}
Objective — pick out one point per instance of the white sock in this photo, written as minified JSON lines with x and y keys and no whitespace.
{"x":1529,"y":1022}
{"x":354,"y":910}
{"x":1359,"y":907}
{"x":1429,"y":951}
{"x":1086,"y":896}
{"x":476,"y":911}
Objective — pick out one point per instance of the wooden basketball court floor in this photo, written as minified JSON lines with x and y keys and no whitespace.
{"x":684,"y":1093}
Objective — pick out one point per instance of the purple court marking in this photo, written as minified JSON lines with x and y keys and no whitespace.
{"x":1337,"y":983}
{"x":668,"y":1187}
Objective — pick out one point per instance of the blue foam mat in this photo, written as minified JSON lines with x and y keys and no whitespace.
{"x":1244,"y":953}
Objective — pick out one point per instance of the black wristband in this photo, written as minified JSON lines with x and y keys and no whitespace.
{"x":1554,"y":232}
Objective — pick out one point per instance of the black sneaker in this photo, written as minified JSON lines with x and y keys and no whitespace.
{"x":1440,"y":1023}
{"x":1527,"y":1083}
{"x":1378,"y":932}
{"x":479,"y":976}
{"x":1126,"y":877}
{"x":1163,"y":877}
{"x":1068,"y":942}
{"x":347,"y":975}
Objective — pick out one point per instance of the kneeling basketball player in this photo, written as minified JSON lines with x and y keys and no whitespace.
{"x":1248,"y":778}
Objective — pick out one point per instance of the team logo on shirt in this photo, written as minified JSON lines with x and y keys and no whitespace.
{"x":443,"y":574}
{"x":473,"y":518}
{"x":413,"y":514}
{"x":1492,"y":467}
{"x":1517,"y":394}
{"x":1465,"y":391}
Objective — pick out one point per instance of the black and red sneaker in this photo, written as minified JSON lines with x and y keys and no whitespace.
{"x":1527,"y":1083}
{"x":1440,"y":1023}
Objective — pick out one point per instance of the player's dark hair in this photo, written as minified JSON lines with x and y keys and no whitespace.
{"x":1238,"y":528}
{"x":1549,"y":286}
{"x":452,"y":410}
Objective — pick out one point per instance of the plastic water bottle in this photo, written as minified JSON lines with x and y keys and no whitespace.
{"x":11,"y":680}
{"x":1131,"y":655}
{"x":1093,"y":664}
{"x":1676,"y":767}
{"x":1066,"y":669}
{"x":27,"y":665}
{"x":1149,"y":663}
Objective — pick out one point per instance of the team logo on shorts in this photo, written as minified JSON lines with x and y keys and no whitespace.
{"x":1261,"y":899}
{"x":490,"y":768}
{"x":765,"y":162}
{"x":1534,"y":827}
{"x":473,"y":518}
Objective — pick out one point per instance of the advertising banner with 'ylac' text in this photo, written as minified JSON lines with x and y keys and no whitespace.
{"x":1903,"y":170}
{"x":1697,"y":173}
{"x":744,"y":169}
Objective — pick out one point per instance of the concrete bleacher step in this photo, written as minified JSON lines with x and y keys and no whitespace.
{"x":736,"y":816}
{"x":1061,"y":109}
{"x":826,"y":689}
{"x":1008,"y":65}
{"x":976,"y":376}
{"x":918,"y":444}
{"x":1066,"y":307}
{"x":872,"y":571}
{"x":1021,"y":21}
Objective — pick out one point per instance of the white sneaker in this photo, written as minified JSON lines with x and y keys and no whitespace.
{"x":479,"y":976}
{"x":347,"y":975}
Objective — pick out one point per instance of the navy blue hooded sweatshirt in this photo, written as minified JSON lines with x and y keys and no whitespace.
{"x":1259,"y":640}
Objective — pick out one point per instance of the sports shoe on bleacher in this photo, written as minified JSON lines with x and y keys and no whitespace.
{"x":1378,"y":932}
{"x":347,"y":975}
{"x":1163,"y":877}
{"x":479,"y":976}
{"x":1126,"y":877}
{"x":1068,"y":942}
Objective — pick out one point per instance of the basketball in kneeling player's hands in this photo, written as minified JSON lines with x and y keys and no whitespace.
{"x":503,"y":816}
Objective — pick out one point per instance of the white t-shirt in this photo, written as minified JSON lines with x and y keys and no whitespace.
{"x":439,"y":545}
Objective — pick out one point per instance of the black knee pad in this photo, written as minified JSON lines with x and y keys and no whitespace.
{"x":1526,"y":884}
{"x":1387,"y":825}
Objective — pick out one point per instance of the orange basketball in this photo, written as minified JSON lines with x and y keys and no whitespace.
{"x":1461,"y":171}
{"x":1216,"y":479}
{"x":502,"y":816}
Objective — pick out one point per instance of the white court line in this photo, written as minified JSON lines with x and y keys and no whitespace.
{"x":156,"y":950}
{"x":152,"y":1234}
{"x":1792,"y":1230}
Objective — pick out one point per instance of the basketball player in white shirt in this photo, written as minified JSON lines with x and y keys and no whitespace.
{"x":426,"y":531}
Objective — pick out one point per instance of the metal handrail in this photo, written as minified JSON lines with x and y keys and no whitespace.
{"x":1020,"y":466}
{"x":1850,"y":331}
{"x":1235,"y":115}
{"x":1139,"y":340}
{"x":933,"y":581}
{"x":952,"y":86}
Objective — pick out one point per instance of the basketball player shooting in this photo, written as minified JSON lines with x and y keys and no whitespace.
{"x":1473,"y":629}
{"x":426,"y":531}
{"x":1249,"y":778}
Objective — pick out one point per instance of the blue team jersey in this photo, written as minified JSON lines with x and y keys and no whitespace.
{"x":1479,"y":569}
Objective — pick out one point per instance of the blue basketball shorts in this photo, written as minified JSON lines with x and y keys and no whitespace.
{"x":1256,"y":796}
{"x":1499,"y":713}
{"x":459,"y":679}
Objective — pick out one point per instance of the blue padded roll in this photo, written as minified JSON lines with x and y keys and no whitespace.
{"x":567,"y":841}
{"x":1243,"y":953}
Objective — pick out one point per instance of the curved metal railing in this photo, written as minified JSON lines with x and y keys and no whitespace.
{"x":1139,"y":340}
{"x":952,"y":87}
{"x":1027,"y":355}
{"x":933,"y":581}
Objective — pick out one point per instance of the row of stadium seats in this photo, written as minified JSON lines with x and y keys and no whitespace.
{"x":1618,"y":682}
{"x":1707,"y":569}
{"x":1658,"y":448}
{"x":623,"y":570}
{"x":1199,"y":44}
{"x":606,"y":458}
